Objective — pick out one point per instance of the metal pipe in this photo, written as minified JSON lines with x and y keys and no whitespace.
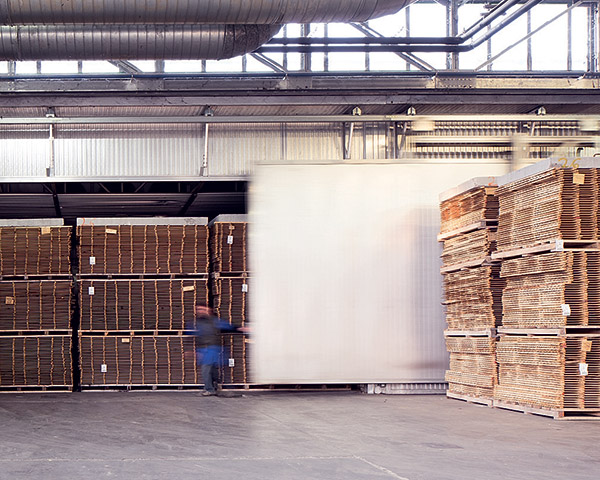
{"x":283,"y":119}
{"x":127,"y":42}
{"x":451,"y":40}
{"x":255,"y":12}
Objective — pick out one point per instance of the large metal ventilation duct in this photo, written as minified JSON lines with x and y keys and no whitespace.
{"x":132,"y":42}
{"x":252,"y":12}
{"x":162,"y":29}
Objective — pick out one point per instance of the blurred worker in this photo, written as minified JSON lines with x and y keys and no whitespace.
{"x":207,"y":329}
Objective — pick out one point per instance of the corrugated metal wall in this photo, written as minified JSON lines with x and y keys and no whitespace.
{"x":234,"y":149}
{"x":346,"y":284}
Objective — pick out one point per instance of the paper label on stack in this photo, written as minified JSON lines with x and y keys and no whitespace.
{"x":244,"y":287}
{"x":566,"y":309}
{"x":230,"y":239}
{"x":232,"y":362}
{"x":583,"y":369}
{"x":91,"y":290}
{"x":92,"y":260}
{"x":103,"y":368}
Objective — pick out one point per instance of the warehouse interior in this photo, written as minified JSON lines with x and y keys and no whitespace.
{"x":395,"y":204}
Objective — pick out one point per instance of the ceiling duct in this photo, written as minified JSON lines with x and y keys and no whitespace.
{"x":162,"y":29}
{"x":132,"y":42}
{"x":249,"y":12}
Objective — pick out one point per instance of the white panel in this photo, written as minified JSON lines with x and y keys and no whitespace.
{"x":24,"y":157}
{"x":346,"y":271}
{"x":144,"y":155}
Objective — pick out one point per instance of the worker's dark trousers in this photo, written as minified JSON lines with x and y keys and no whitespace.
{"x":210,"y":377}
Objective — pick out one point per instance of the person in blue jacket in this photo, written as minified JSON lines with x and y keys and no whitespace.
{"x":207,"y":328}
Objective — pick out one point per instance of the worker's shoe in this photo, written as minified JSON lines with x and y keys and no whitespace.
{"x":206,"y":393}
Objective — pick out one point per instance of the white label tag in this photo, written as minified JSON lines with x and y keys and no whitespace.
{"x":566,"y":309}
{"x":230,"y":239}
{"x":244,"y":287}
{"x":113,"y":231}
{"x":191,"y":288}
{"x":45,"y":230}
{"x":232,"y":362}
{"x":125,"y":340}
{"x":103,"y":368}
{"x":91,"y":290}
{"x":559,"y":246}
{"x":583,"y":369}
{"x":578,"y":178}
{"x":92,"y":260}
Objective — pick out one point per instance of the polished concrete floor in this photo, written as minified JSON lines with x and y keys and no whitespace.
{"x":179,"y":435}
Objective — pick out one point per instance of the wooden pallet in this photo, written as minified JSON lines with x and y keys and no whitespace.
{"x":36,"y":389}
{"x":479,"y":225}
{"x":465,"y":398}
{"x":256,"y":387}
{"x":132,"y":333}
{"x":556,"y":245}
{"x":575,"y":330}
{"x":559,"y":414}
{"x":488,"y":332}
{"x":35,"y":333}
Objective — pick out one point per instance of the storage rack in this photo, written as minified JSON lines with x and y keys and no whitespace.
{"x":139,"y":281}
{"x":35,"y":306}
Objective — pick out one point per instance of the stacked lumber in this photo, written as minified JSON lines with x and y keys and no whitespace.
{"x":554,"y":204}
{"x":151,"y":304}
{"x":33,"y":250}
{"x":143,"y":249}
{"x":35,"y":361}
{"x":551,"y":373}
{"x":35,"y":305}
{"x":473,"y":371}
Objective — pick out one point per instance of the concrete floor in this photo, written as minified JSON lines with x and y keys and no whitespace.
{"x":178,"y":435}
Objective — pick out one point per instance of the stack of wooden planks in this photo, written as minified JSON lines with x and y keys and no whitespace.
{"x":472,"y":289}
